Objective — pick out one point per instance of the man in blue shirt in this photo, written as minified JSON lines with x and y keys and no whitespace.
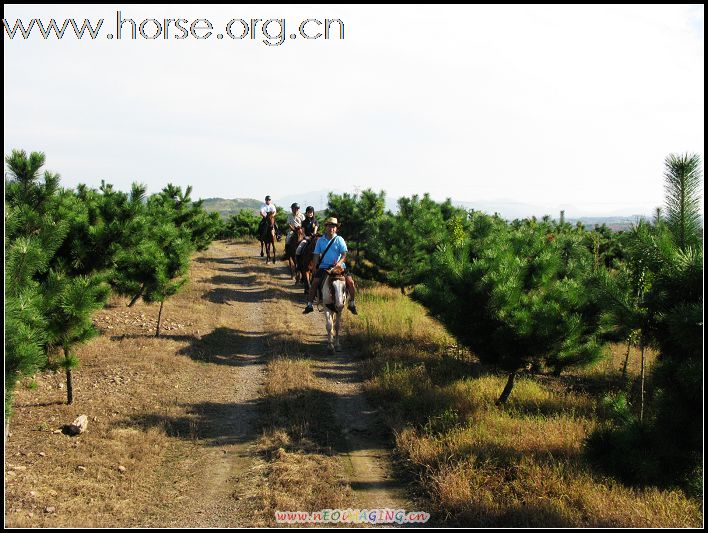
{"x":336,"y":253}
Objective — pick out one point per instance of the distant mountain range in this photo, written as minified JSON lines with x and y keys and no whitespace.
{"x":226,"y":207}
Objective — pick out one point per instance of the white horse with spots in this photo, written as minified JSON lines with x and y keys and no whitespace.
{"x":334,"y":299}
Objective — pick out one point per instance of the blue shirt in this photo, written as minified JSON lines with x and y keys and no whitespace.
{"x":334,"y":253}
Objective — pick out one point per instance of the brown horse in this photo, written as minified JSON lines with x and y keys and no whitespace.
{"x":290,"y":249}
{"x":307,"y":262}
{"x":266,"y":235}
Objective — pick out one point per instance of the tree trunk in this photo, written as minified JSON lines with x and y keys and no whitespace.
{"x":69,"y":384}
{"x":641,"y":408}
{"x":159,"y":318}
{"x":626,"y":360}
{"x":135,"y":298}
{"x":507,"y":390}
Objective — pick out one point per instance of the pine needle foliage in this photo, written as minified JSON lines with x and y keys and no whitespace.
{"x":517,"y":296}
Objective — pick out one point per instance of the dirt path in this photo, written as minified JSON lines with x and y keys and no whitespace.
{"x":175,"y":421}
{"x":365,"y":457}
{"x":368,"y":458}
{"x":230,"y":469}
{"x":249,"y":290}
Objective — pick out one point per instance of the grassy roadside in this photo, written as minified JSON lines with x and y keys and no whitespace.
{"x":480,"y":465}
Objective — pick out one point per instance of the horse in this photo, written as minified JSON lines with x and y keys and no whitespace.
{"x":307,"y":264}
{"x":334,"y":299}
{"x":290,"y":249}
{"x":267,"y":235}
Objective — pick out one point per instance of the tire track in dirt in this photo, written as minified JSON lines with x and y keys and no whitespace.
{"x":230,"y":477}
{"x":366,"y":456}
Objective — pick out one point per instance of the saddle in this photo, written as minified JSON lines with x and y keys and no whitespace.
{"x":336,"y":273}
{"x":330,"y":277}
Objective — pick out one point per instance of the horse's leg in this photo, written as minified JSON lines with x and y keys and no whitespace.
{"x":261,"y":248}
{"x":306,"y":279}
{"x":292,"y":263}
{"x":337,"y":324}
{"x":291,"y":267}
{"x":328,"y":321}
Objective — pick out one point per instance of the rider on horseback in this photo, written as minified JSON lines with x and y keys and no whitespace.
{"x":295,"y":220}
{"x":310,"y":227}
{"x":334,"y":251}
{"x":266,"y":208}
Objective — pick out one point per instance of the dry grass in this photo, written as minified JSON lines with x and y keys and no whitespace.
{"x":480,"y":465}
{"x":138,"y":419}
{"x":149,"y":402}
{"x":154,"y":408}
{"x":300,"y":434}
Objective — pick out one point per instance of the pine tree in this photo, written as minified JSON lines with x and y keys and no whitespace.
{"x":683,"y":180}
{"x":26,"y":334}
{"x":403,"y":244}
{"x":70,"y":302}
{"x":666,"y":447}
{"x":192,"y":216}
{"x":516,"y":297}
{"x":622,"y":294}
{"x":153,"y":266}
{"x":359,"y":216}
{"x":22,"y":187}
{"x":242,"y":224}
{"x":56,"y":224}
{"x":31,"y":240}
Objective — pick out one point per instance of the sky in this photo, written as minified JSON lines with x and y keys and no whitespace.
{"x":549,"y":107}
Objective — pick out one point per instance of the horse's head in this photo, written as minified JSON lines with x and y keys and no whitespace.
{"x":339,"y":293}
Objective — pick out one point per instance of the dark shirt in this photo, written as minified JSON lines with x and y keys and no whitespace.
{"x":309,"y":226}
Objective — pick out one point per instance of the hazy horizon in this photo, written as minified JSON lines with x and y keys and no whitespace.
{"x":506,"y":208}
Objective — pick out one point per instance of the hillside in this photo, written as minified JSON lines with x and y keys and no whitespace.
{"x":227,"y":207}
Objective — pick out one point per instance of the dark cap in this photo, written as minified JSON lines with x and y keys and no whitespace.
{"x":267,"y":198}
{"x":295,"y":206}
